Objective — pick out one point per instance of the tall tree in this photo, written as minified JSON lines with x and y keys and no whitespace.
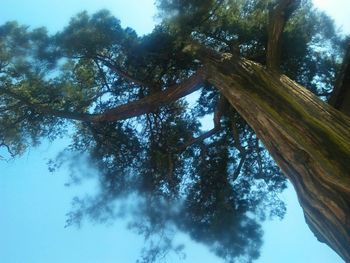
{"x":124,"y":94}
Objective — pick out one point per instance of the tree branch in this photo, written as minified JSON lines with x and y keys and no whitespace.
{"x":2,"y":144}
{"x":197,"y":139}
{"x":237,"y":141}
{"x":239,"y":168}
{"x":212,"y":12}
{"x":122,"y":112}
{"x":150,"y":103}
{"x":340,"y":98}
{"x":102,"y":75}
{"x":119,"y":71}
{"x":217,"y":126}
{"x":239,"y":147}
{"x":278,"y":16}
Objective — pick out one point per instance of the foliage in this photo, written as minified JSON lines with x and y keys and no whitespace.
{"x":217,"y":190}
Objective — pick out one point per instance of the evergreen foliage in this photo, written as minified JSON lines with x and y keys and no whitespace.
{"x":217,"y":187}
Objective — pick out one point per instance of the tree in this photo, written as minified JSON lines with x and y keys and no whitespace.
{"x":124,"y":95}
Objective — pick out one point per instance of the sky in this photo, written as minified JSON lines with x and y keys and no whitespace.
{"x":33,"y":202}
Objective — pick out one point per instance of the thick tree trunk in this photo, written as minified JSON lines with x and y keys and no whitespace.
{"x":308,"y":139}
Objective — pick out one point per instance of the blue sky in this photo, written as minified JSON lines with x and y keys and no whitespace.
{"x":33,"y":202}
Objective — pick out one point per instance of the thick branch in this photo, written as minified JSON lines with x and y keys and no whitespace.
{"x":278,"y":16}
{"x":340,"y":98}
{"x":150,"y":103}
{"x":125,"y":111}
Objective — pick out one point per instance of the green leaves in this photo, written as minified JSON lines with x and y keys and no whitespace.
{"x":90,"y":35}
{"x":86,"y":35}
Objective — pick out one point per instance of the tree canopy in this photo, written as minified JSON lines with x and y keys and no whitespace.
{"x":126,"y":100}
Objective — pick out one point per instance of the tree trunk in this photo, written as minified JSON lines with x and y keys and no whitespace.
{"x":309,"y":140}
{"x":340,"y":98}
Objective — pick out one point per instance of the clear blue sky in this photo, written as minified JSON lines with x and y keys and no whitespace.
{"x":33,"y":202}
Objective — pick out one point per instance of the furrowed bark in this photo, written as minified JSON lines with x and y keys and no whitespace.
{"x":152,"y":102}
{"x":309,"y":140}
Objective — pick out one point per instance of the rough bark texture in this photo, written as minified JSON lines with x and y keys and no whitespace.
{"x":308,"y":139}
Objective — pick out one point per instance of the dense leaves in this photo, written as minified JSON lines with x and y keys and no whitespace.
{"x":217,"y":187}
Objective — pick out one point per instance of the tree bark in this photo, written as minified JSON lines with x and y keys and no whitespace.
{"x":278,"y":16}
{"x":309,"y":140}
{"x":122,"y":112}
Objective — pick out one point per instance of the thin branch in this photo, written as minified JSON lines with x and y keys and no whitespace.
{"x":102,"y":74}
{"x":120,"y":72}
{"x":258,"y":156}
{"x":217,"y":126}
{"x":171,"y":170}
{"x":240,"y":148}
{"x":236,"y":141}
{"x":197,"y":139}
{"x":212,"y":12}
{"x":237,"y":171}
{"x":323,"y":94}
{"x":8,"y":150}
